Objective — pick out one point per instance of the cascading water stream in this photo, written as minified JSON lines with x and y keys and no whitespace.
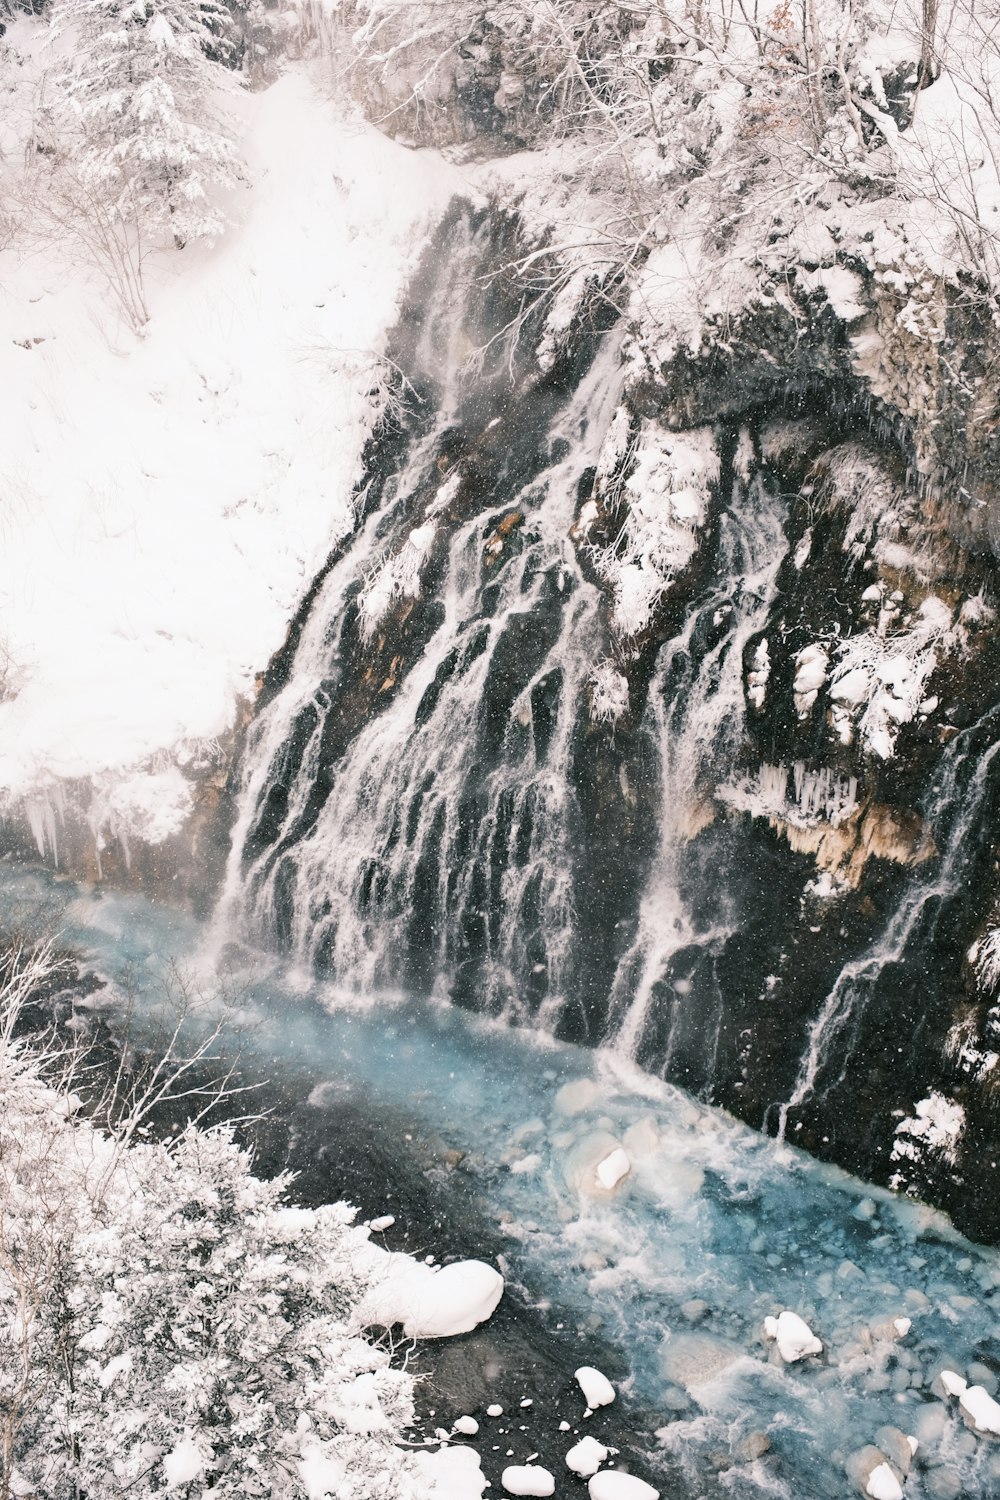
{"x":439,"y":838}
{"x":953,"y":811}
{"x":696,"y":715}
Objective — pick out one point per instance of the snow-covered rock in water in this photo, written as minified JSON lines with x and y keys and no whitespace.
{"x":467,"y":1426}
{"x":610,"y":1485}
{"x":586,"y":1457}
{"x":873,"y":1475}
{"x":952,"y":1383}
{"x":794,"y":1337}
{"x":980,"y":1411}
{"x":527,"y":1479}
{"x":597,"y":1388}
{"x":613,"y":1168}
{"x":897,"y":1447}
{"x":573,"y":1098}
{"x":593,"y":1162}
{"x":431,"y":1302}
{"x":883,"y":1484}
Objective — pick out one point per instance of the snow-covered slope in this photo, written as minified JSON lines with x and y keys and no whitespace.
{"x":165,"y":500}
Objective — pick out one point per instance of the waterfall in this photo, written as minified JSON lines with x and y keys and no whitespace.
{"x":696,"y":715}
{"x":470,"y":776}
{"x":954,"y":810}
{"x":439,"y":839}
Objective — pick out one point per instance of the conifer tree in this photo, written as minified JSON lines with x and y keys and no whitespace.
{"x":136,"y":100}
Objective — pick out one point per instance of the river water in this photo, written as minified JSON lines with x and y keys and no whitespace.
{"x":713,"y":1228}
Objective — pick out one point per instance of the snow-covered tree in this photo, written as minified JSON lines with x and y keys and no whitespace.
{"x":167,"y":1321}
{"x":137,"y":104}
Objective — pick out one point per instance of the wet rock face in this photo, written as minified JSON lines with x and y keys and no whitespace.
{"x":659,"y":714}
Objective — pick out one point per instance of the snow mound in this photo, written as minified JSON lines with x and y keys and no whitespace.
{"x":586,"y":1457}
{"x":431,"y":1302}
{"x":597,"y":1388}
{"x":610,"y":1485}
{"x":450,"y":1474}
{"x":527,"y":1479}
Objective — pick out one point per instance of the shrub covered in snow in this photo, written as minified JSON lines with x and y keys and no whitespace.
{"x":170,"y":1322}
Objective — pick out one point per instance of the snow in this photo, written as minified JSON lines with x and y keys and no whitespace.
{"x":597,"y":1388}
{"x":981,"y":1409}
{"x":527,"y":1479}
{"x":431,"y":1302}
{"x":612,"y":1169}
{"x":902,"y":1326}
{"x":811,"y":666}
{"x":883,"y":1485}
{"x":383,"y":1222}
{"x":953,"y":1384}
{"x":395,"y":577}
{"x":467,"y":1426}
{"x":936,"y":1124}
{"x":609,"y":699}
{"x":453,"y":1473}
{"x":668,"y":493}
{"x":320,"y":1472}
{"x":168,"y":499}
{"x":586,"y":1457}
{"x":183,"y":1463}
{"x":610,"y":1485}
{"x":844,"y":290}
{"x":794,"y":1338}
{"x":759,"y":675}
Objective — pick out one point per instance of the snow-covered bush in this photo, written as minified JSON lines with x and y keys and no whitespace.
{"x":167,"y":1321}
{"x":881,"y":675}
{"x":664,"y":499}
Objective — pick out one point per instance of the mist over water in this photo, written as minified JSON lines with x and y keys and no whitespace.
{"x":713,"y":1228}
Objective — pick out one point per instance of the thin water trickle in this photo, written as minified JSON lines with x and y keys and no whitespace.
{"x":696,"y":716}
{"x":953,"y":809}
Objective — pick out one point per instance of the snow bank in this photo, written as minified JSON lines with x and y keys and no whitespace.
{"x":168,"y":500}
{"x":430,"y":1302}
